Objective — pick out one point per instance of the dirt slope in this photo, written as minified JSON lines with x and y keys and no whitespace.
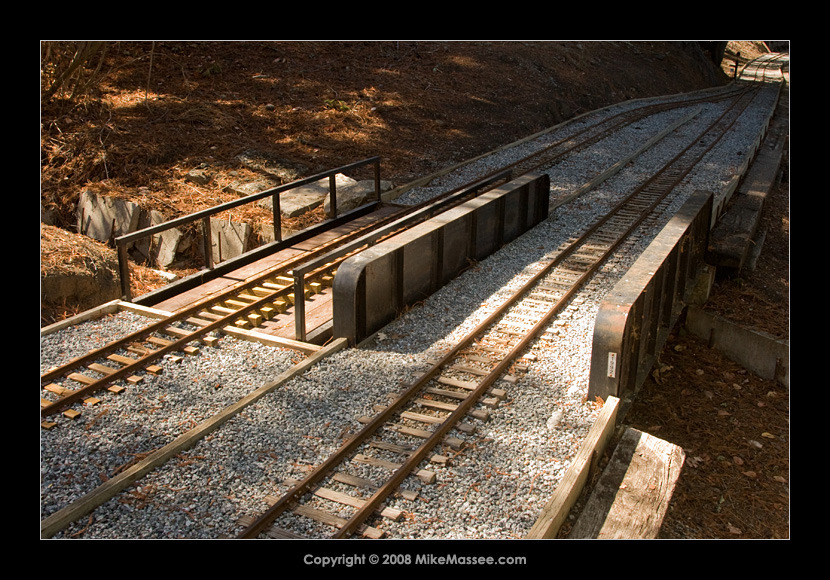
{"x":147,"y":113}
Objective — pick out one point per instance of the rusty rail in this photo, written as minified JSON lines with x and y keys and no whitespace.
{"x":496,"y":342}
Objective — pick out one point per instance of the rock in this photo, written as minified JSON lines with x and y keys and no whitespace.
{"x":228,"y":239}
{"x":356,"y":194}
{"x":283,"y":169}
{"x":106,"y":218}
{"x":246,"y":188}
{"x":166,"y":246}
{"x":144,"y":248}
{"x":300,"y":200}
{"x":198,"y":176}
{"x":554,"y":420}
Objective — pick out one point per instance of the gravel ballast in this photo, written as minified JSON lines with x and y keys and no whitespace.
{"x":494,"y":487}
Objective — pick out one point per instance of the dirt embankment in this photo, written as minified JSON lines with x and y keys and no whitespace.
{"x":147,"y":113}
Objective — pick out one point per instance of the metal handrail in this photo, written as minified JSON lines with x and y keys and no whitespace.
{"x":205,"y":215}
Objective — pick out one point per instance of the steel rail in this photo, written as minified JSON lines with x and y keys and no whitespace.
{"x":353,"y":241}
{"x":140,"y":363}
{"x":180,"y":316}
{"x":558,"y":149}
{"x":438,"y":203}
{"x":676,"y":175}
{"x":312,"y":260}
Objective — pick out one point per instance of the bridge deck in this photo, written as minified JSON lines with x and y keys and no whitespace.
{"x":318,"y":306}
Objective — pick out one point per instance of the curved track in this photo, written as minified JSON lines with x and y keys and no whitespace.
{"x":274,"y":290}
{"x":454,"y":393}
{"x":423,"y":416}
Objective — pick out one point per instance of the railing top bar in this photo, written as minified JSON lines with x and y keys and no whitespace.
{"x":152,"y":230}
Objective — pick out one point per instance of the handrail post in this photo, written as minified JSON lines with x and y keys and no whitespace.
{"x":206,"y":242}
{"x":204,"y":216}
{"x":275,"y":208}
{"x":124,"y":271}
{"x":299,"y":306}
{"x":332,"y":196}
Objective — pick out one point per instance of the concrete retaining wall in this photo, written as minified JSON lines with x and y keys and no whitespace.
{"x":372,"y":288}
{"x":759,"y":352}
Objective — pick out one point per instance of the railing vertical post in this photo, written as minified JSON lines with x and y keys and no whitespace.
{"x":124,"y":271}
{"x":205,"y":215}
{"x":275,"y":207}
{"x":333,"y":196}
{"x":377,"y":179}
{"x":299,"y":306}
{"x":206,"y":242}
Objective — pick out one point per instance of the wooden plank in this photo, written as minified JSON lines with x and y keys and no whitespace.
{"x":424,"y":475}
{"x":281,"y":534}
{"x":124,"y":360}
{"x":456,"y":383}
{"x":71,"y":414}
{"x":159,"y":341}
{"x":140,"y":350}
{"x":421,"y":417}
{"x":57,"y":389}
{"x":332,"y":520}
{"x":448,"y":394}
{"x":378,"y":444}
{"x":432,"y":404}
{"x":176,"y":331}
{"x":356,"y":502}
{"x":412,"y":431}
{"x":82,"y":378}
{"x":103,"y":369}
{"x":556,"y":510}
{"x":480,"y":414}
{"x":271,"y":340}
{"x":360,"y":458}
{"x":632,"y":496}
{"x":353,"y":480}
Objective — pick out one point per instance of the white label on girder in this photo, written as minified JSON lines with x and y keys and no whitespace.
{"x":612,"y":364}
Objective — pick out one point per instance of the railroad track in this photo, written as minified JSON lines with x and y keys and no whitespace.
{"x":591,"y":134}
{"x":83,"y":377}
{"x":462,"y":385}
{"x":255,"y":301}
{"x":765,"y":68}
{"x":245,"y":304}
